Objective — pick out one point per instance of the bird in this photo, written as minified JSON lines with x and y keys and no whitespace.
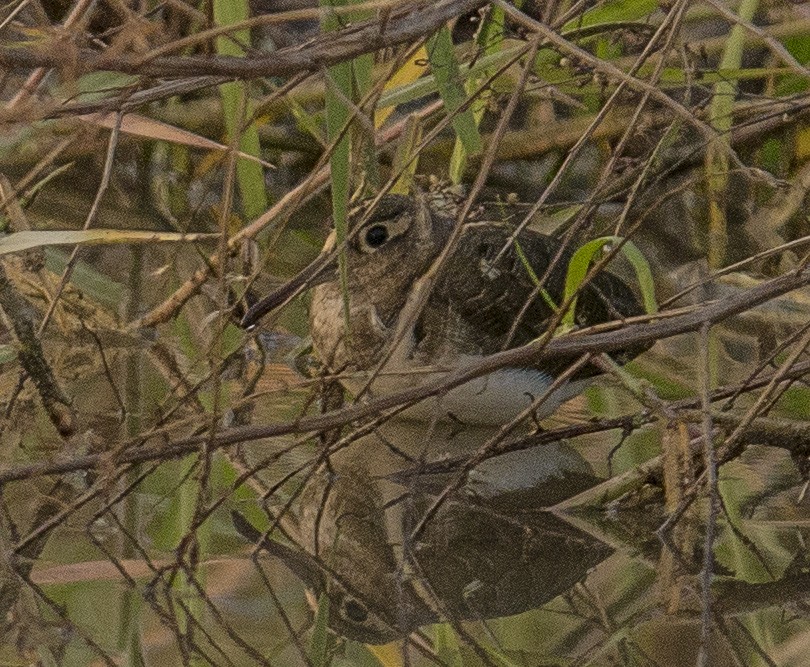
{"x":475,"y":560}
{"x":376,"y":333}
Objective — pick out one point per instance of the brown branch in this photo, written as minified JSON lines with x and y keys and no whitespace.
{"x":410,"y":21}
{"x":790,"y":435}
{"x":570,"y":346}
{"x":22,"y":316}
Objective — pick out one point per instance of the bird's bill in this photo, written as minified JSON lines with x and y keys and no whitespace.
{"x":316,"y":272}
{"x":301,"y":564}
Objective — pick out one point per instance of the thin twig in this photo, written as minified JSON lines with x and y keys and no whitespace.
{"x":91,"y":216}
{"x":568,"y":346}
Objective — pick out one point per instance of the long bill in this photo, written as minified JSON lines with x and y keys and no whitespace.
{"x":314,"y":273}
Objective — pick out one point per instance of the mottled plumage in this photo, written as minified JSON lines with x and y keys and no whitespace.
{"x":483,"y":300}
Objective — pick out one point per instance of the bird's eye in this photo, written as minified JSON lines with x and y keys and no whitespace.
{"x":376,"y":235}
{"x":355,"y":611}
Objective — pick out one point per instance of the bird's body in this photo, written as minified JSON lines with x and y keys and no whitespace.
{"x":491,"y":399}
{"x":406,"y":326}
{"x":483,"y":300}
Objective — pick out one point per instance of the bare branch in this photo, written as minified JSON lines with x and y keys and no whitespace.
{"x":408,"y":22}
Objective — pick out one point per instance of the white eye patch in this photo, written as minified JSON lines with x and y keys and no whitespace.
{"x":376,"y":233}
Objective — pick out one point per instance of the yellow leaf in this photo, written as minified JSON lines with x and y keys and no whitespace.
{"x":803,"y":144}
{"x":389,"y":655}
{"x":408,"y":73}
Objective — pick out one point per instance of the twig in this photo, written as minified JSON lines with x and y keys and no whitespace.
{"x":711,"y":467}
{"x":91,"y":216}
{"x":32,"y":358}
{"x":569,"y":346}
{"x":410,"y":21}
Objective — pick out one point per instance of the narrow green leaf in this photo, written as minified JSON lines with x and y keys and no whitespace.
{"x":643,"y":274}
{"x":447,"y":74}
{"x":547,"y":65}
{"x":94,"y":284}
{"x":427,"y":85}
{"x":249,"y":175}
{"x":362,"y":67}
{"x":498,"y":658}
{"x":581,"y":262}
{"x":448,"y":650}
{"x":306,"y":120}
{"x":488,"y":41}
{"x":337,"y":115}
{"x":230,"y":12}
{"x":533,"y":277}
{"x":405,"y":159}
{"x":717,"y":156}
{"x":320,"y":643}
{"x":40,"y":184}
{"x":26,"y":240}
{"x":553,"y":221}
{"x":95,"y":86}
{"x":609,"y":12}
{"x":338,"y":92}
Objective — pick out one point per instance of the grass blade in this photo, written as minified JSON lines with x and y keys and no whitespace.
{"x":488,"y":41}
{"x":249,"y":174}
{"x":581,"y":262}
{"x":20,"y":241}
{"x":717,"y":157}
{"x":320,"y":645}
{"x":338,"y":90}
{"x":447,"y":74}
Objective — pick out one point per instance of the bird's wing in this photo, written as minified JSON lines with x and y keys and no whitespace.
{"x":487,"y":292}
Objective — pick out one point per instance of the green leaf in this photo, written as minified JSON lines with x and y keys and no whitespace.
{"x":792,"y":83}
{"x":447,"y":74}
{"x":721,"y":112}
{"x":497,"y":657}
{"x":338,"y":92}
{"x":40,"y":184}
{"x":609,"y":12}
{"x":489,"y":40}
{"x":337,"y":115}
{"x":581,"y":262}
{"x":406,"y":159}
{"x":362,"y":67}
{"x":230,"y":12}
{"x":95,"y":86}
{"x":533,"y":277}
{"x":446,"y":644}
{"x":94,"y":284}
{"x":20,"y":241}
{"x":306,"y":120}
{"x":249,"y":175}
{"x":320,"y":643}
{"x":427,"y":85}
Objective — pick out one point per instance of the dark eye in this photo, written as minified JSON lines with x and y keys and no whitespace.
{"x":355,"y":611}
{"x":376,"y":235}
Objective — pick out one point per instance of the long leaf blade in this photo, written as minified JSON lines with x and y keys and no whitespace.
{"x":581,"y":262}
{"x":447,"y":73}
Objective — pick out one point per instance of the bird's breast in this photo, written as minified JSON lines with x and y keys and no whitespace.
{"x":497,"y":398}
{"x":342,"y":348}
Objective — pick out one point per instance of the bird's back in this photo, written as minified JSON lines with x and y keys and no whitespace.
{"x":487,"y":298}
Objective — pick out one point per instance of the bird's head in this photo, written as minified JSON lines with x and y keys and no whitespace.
{"x":395,"y":236}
